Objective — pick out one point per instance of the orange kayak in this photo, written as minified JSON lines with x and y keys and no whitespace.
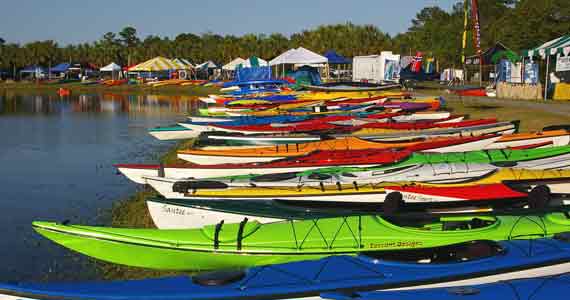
{"x":265,"y":154}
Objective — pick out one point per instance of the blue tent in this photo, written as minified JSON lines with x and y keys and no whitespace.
{"x":253,"y":74}
{"x":335,"y":58}
{"x":61,"y":68}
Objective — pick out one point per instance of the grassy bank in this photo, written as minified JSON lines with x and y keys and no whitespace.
{"x":33,"y":88}
{"x":132,"y":213}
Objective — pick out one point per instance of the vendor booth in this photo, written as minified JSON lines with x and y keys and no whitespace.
{"x":556,"y":78}
{"x":297,"y":58}
{"x":339,"y":67}
{"x":159,"y":68}
{"x":208,"y":70}
{"x":112,"y":69}
{"x":376,"y":68}
{"x":59,"y":70}
{"x":33,"y":72}
{"x":228,"y":70}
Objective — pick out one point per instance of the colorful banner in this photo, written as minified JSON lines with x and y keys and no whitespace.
{"x":417,"y":62}
{"x":465,"y":29}
{"x":562,"y":63}
{"x":476,"y":26}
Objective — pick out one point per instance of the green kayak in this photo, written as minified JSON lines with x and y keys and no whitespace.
{"x":540,"y":158}
{"x":248,"y":244}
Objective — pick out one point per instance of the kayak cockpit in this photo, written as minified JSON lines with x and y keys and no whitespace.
{"x":463,"y":252}
{"x":443,"y":224}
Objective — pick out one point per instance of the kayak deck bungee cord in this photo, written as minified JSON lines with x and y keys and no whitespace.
{"x":466,"y":264}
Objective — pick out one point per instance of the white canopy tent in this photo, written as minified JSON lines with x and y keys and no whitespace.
{"x":298,"y":57}
{"x":113,"y":68}
{"x":232,"y":65}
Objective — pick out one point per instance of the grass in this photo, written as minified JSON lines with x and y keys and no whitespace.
{"x":532,"y":117}
{"x":133,"y":213}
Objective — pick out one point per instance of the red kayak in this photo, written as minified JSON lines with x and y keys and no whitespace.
{"x":472,"y":92}
{"x":317,"y":159}
{"x":417,"y":193}
{"x":322,"y":124}
{"x":423,"y":125}
{"x":341,"y":101}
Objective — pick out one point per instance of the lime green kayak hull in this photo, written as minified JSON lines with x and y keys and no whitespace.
{"x":287,"y":241}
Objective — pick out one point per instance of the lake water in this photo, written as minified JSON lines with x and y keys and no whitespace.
{"x":56,"y":163}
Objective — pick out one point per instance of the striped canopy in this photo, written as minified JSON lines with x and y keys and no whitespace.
{"x":560,"y":45}
{"x":157,"y":64}
{"x":183,"y":63}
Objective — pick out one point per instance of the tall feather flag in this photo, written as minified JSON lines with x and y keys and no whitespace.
{"x":465,"y":28}
{"x":476,"y":26}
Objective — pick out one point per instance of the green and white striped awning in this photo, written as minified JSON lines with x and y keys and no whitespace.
{"x":560,"y":45}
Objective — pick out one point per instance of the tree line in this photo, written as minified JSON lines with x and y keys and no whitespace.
{"x":519,"y":25}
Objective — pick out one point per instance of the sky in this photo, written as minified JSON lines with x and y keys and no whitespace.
{"x":74,"y":21}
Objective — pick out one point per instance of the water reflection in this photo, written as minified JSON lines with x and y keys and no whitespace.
{"x":51,"y":103}
{"x":57,"y":155}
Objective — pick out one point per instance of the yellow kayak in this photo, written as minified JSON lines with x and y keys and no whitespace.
{"x":557,"y":181}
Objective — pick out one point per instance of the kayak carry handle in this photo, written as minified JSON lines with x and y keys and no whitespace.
{"x":161,"y":172}
{"x":240,"y":233}
{"x":217,"y":234}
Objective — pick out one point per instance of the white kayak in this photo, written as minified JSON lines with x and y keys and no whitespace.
{"x":170,"y":216}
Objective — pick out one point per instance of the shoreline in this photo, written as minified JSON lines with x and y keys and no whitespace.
{"x":131,"y":211}
{"x":32,"y":88}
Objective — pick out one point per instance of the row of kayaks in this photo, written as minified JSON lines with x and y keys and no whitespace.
{"x":332,"y":195}
{"x":513,"y":269}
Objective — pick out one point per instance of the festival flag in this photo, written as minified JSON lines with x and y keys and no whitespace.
{"x":417,"y":62}
{"x":465,"y":29}
{"x":476,"y":26}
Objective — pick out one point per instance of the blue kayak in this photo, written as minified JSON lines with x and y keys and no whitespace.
{"x":478,"y":262}
{"x":239,"y":121}
{"x":255,"y":82}
{"x":548,"y":288}
{"x":246,"y":92}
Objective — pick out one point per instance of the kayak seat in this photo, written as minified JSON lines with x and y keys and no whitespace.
{"x":474,"y":223}
{"x":228,"y":233}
